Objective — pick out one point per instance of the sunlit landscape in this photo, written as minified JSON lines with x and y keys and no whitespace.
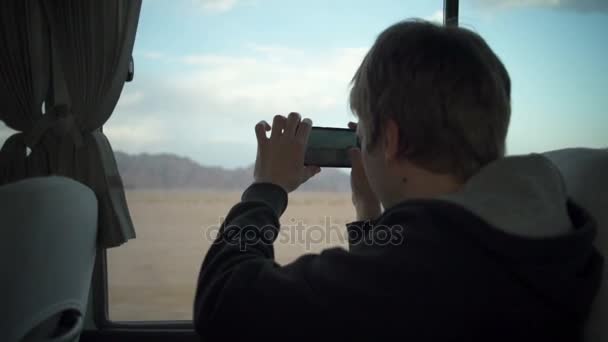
{"x":153,"y":277}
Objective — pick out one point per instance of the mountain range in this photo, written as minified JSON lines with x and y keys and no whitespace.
{"x":165,"y":171}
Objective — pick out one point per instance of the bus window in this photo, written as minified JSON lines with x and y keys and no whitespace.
{"x":205,"y":73}
{"x":557,"y":62}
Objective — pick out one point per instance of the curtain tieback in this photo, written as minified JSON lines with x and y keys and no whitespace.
{"x":61,"y":121}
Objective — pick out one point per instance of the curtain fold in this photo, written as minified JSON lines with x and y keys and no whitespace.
{"x":73,"y":57}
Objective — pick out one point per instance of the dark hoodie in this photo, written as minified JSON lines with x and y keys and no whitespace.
{"x":508,"y":258}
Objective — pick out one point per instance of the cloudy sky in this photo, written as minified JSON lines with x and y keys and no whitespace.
{"x":208,"y":70}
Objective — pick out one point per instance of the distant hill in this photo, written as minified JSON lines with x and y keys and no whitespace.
{"x":169,"y":171}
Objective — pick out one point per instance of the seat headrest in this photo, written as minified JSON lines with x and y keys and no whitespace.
{"x":585,"y":172}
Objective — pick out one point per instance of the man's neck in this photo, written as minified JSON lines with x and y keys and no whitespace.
{"x":431,"y":187}
{"x":422,"y":184}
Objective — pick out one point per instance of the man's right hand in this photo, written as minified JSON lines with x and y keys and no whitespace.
{"x":367,"y":205}
{"x":280,"y":158}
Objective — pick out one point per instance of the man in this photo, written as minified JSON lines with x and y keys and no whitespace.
{"x":472,"y":245}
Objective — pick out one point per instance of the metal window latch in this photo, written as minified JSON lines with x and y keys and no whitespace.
{"x":131,"y":70}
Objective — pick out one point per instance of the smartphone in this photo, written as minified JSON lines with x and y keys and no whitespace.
{"x":328,"y":146}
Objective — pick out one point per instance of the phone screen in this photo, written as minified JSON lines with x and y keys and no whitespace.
{"x":328,"y":146}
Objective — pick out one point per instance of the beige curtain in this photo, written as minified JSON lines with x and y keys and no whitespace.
{"x":63,"y":64}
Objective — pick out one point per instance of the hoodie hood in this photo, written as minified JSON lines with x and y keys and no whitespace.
{"x":520,"y":195}
{"x":543,"y":238}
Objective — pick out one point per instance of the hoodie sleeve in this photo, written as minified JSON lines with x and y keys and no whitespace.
{"x":240,"y":283}
{"x":360,"y":233}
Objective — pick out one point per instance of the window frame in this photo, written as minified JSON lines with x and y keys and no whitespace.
{"x":101,"y":304}
{"x":184,"y":328}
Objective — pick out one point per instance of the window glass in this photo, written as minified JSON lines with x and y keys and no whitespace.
{"x":555,"y":53}
{"x":206,"y":72}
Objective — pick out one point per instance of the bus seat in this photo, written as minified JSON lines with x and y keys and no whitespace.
{"x":48,"y":238}
{"x":585,"y":173}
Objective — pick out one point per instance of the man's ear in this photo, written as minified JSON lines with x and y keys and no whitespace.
{"x":391,"y":140}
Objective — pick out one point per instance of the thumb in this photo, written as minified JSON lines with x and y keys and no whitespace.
{"x":355,"y":159}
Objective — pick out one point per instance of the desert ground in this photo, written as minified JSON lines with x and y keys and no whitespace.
{"x":153,"y":277}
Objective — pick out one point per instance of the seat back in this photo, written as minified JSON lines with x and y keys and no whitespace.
{"x":585,"y":172}
{"x":48,"y":231}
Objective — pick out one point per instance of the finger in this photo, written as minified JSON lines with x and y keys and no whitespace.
{"x":304,"y":131}
{"x":293,"y":120}
{"x":278,"y":125}
{"x":260,"y":131}
{"x":352,"y":125}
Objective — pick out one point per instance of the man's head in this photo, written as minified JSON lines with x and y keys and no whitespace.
{"x":431,"y":100}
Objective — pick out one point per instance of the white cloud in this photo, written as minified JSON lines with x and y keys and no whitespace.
{"x":221,"y":6}
{"x":277,"y":81}
{"x":152,"y":55}
{"x":129,"y":99}
{"x":218,"y":6}
{"x":215,"y":100}
{"x":576,"y":5}
{"x":128,"y":132}
{"x":436,"y":17}
{"x":277,"y":53}
{"x":212,"y":60}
